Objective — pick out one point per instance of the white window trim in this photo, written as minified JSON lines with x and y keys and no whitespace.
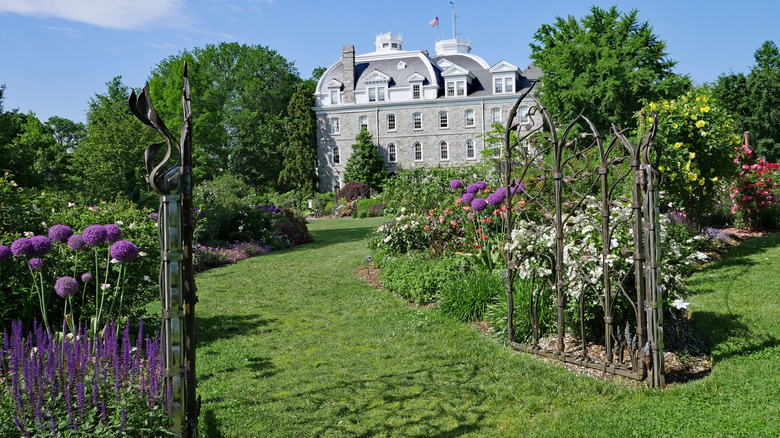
{"x":414,"y":152}
{"x":421,"y":122}
{"x":444,"y":148}
{"x":360,"y":122}
{"x":392,"y":153}
{"x":493,"y":118}
{"x":380,"y":93}
{"x":446,"y":120}
{"x":334,"y":127}
{"x":335,"y":155}
{"x":455,"y":89}
{"x":419,"y":91}
{"x":473,"y":150}
{"x":395,"y":122}
{"x":473,"y":118}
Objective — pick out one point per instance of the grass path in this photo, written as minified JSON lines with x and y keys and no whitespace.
{"x":292,"y":344}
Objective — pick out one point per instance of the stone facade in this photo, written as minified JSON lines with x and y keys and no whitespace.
{"x":419,"y":110}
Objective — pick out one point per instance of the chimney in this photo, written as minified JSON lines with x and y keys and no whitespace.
{"x":348,"y":65}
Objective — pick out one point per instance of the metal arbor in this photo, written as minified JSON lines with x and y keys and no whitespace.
{"x":572,"y":183}
{"x":177,"y":283}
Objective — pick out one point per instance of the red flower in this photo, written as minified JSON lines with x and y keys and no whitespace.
{"x":477,"y":246}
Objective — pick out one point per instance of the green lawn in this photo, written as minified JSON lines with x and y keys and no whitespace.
{"x":293,"y":344}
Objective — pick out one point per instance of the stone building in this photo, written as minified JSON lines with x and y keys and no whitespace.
{"x":420,"y":110}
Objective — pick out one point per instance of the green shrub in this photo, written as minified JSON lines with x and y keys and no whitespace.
{"x":234,"y":223}
{"x":419,"y":277}
{"x":422,"y":189}
{"x":223,"y":191}
{"x":467,"y":294}
{"x":370,"y":208}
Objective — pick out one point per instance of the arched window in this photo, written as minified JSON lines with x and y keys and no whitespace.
{"x":444,"y":151}
{"x":471,"y":152}
{"x":336,"y":155}
{"x":418,"y":152}
{"x":391,"y":154}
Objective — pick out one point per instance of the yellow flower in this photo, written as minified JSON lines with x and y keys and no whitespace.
{"x":700,"y":124}
{"x":653,"y":106}
{"x":705,"y":109}
{"x":688,"y":166}
{"x":701,"y":181}
{"x":705,"y":99}
{"x":675,"y":126}
{"x":698,"y":98}
{"x":692,"y":155}
{"x":692,"y":176}
{"x":661,"y":168}
{"x":694,"y":117}
{"x":678,"y":145}
{"x":703,"y":133}
{"x":715,"y":179}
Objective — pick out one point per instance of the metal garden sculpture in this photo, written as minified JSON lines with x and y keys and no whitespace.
{"x":566,"y":176}
{"x":177,"y":287}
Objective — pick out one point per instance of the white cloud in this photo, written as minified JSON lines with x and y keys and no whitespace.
{"x":114,"y":14}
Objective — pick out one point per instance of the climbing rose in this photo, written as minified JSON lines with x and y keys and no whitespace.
{"x":95,"y":235}
{"x":113,"y":233}
{"x":60,"y":233}
{"x":41,"y":245}
{"x":124,"y":251}
{"x":66,"y":286}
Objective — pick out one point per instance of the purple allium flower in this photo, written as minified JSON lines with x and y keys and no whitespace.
{"x":456,"y":184}
{"x":41,"y":245}
{"x":478,"y":204}
{"x":86,"y":277}
{"x":76,"y":241}
{"x":472,"y":188}
{"x":518,"y":188}
{"x":60,"y":233}
{"x":5,"y":252}
{"x":467,"y":197}
{"x":481,"y":185}
{"x":21,"y":247}
{"x":95,"y":235}
{"x":497,"y":197}
{"x":35,"y":263}
{"x":124,"y":251}
{"x":66,"y":286}
{"x":113,"y":233}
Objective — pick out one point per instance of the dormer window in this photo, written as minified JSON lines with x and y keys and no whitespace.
{"x":376,"y":93}
{"x":416,"y":91}
{"x":456,"y":81}
{"x":503,"y":85}
{"x":334,"y":97}
{"x":416,"y":83}
{"x":505,"y":76}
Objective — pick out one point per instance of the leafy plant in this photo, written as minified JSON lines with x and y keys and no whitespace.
{"x":353,"y":190}
{"x":419,"y":277}
{"x":468,"y":293}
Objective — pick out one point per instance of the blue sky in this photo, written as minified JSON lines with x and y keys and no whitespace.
{"x":57,"y":54}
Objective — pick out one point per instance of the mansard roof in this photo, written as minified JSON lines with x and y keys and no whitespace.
{"x":399,"y":66}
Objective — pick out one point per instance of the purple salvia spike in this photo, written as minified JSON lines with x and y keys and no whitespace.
{"x":126,"y":360}
{"x":80,"y":399}
{"x":53,"y":426}
{"x":103,"y":411}
{"x":124,"y":421}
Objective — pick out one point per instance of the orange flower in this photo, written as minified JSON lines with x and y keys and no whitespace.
{"x":458,"y":201}
{"x":483,"y":237}
{"x":479,"y":231}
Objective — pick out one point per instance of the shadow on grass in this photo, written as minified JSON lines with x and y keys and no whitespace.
{"x":209,"y":425}
{"x":214,"y":328}
{"x":420,"y":402}
{"x":728,"y":336}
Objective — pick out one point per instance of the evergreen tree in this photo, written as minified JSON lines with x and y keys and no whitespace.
{"x":299,"y":151}
{"x":365,"y":164}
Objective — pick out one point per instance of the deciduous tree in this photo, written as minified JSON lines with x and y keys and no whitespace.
{"x":604,"y":65}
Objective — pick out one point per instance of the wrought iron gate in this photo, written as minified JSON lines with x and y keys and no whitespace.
{"x":581,"y":239}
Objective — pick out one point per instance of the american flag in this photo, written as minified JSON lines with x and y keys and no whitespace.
{"x":435,"y":22}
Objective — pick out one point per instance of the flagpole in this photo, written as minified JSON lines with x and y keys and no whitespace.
{"x":453,"y":20}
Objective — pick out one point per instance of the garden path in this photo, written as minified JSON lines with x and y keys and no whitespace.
{"x":293,"y":344}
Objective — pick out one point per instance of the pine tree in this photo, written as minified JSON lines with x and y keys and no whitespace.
{"x":365,"y":164}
